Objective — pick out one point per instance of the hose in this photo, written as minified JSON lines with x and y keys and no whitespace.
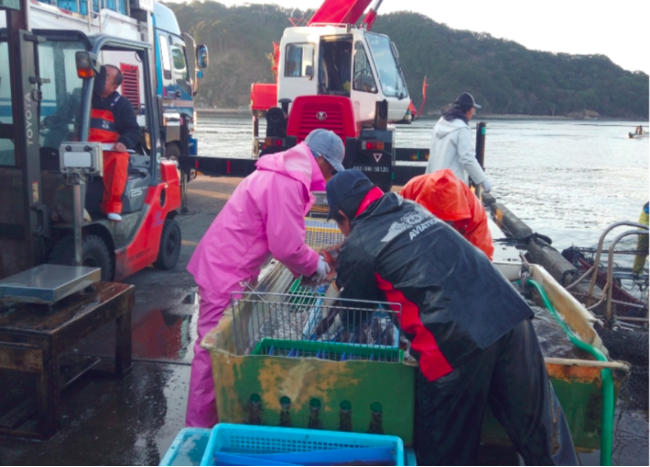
{"x":607,"y":429}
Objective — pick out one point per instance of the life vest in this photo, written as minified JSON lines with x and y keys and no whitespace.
{"x":102,"y":125}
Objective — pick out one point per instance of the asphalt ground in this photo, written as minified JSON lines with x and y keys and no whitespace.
{"x":133,"y":421}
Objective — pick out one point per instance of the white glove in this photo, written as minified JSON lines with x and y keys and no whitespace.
{"x":322,"y":270}
{"x":487,"y":186}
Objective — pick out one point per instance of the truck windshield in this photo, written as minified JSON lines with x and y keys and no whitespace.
{"x":61,"y":105}
{"x":390,"y":74}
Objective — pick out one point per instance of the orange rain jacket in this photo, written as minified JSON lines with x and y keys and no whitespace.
{"x":449,"y":199}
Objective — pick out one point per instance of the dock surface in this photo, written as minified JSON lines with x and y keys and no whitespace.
{"x":132,"y":421}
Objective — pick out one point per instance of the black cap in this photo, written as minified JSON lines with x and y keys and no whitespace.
{"x":345,"y":185}
{"x":466,"y":100}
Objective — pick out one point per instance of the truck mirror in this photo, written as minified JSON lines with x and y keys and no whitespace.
{"x":87,"y":65}
{"x":309,"y":71}
{"x":202,"y":55}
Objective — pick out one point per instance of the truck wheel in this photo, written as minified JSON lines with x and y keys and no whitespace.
{"x":94,"y":253}
{"x":170,"y":245}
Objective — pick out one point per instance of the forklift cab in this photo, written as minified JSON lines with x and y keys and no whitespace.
{"x":62,"y":102}
{"x":67,"y":101}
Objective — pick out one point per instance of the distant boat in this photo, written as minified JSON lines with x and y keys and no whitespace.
{"x":636,"y":134}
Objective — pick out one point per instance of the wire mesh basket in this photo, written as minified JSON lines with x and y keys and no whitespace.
{"x":322,"y":234}
{"x":307,"y":323}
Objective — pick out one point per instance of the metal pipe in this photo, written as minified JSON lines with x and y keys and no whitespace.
{"x":184,"y":176}
{"x":632,"y":319}
{"x":599,"y":251}
{"x":77,"y":219}
{"x":610,"y":268}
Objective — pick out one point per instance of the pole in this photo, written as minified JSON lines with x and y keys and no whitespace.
{"x":480,"y":143}
{"x":480,"y":153}
{"x":77,"y":218}
{"x":184,"y":176}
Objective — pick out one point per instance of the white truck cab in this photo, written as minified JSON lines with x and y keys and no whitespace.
{"x":341,"y":60}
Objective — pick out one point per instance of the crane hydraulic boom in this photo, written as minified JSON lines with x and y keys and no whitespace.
{"x":340,"y":11}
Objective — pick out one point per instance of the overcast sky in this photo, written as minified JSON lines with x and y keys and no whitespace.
{"x":617,"y":29}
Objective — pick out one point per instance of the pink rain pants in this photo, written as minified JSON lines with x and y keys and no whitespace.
{"x":201,"y":404}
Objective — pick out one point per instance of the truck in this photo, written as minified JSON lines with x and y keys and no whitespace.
{"x":50,"y":57}
{"x":333,"y":74}
{"x":176,"y":54}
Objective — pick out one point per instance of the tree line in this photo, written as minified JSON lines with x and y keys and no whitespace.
{"x":504,"y":77}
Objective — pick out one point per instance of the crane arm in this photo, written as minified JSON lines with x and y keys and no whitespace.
{"x":340,"y":11}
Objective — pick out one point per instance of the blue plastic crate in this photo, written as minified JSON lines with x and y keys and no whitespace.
{"x":253,"y":440}
{"x":188,"y":447}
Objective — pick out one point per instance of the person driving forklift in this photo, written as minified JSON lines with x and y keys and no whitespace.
{"x":113,"y":121}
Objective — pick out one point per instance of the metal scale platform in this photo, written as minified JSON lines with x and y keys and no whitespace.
{"x":47,"y":283}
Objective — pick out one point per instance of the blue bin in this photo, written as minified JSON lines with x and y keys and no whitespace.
{"x":188,"y":447}
{"x":255,"y":440}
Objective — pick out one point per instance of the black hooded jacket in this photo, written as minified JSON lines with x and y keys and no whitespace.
{"x":454,"y":303}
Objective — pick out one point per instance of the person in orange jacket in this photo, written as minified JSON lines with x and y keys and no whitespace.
{"x":113,"y":121}
{"x":450,"y":200}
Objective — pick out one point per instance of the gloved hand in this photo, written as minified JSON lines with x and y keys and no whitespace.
{"x":487,"y":186}
{"x":322,"y":270}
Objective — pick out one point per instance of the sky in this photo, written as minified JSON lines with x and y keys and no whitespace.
{"x":617,"y":29}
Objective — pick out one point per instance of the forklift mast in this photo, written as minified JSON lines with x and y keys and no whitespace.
{"x":22,"y":218}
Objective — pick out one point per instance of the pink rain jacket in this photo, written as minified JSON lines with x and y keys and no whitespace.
{"x":264,"y":216}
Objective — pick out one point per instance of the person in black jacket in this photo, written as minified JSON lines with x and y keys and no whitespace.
{"x":468,"y":327}
{"x":113,"y":122}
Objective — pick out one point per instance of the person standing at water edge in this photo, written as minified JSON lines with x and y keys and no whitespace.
{"x":468,"y":327}
{"x":451,"y":145}
{"x":263,"y":217}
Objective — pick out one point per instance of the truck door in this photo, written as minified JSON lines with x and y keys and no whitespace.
{"x":166,"y":76}
{"x":297,"y":69}
{"x":181,"y":79}
{"x":364,"y":92}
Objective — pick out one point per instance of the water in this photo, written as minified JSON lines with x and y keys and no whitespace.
{"x":566,"y":179}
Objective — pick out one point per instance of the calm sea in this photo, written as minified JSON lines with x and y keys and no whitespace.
{"x":566,"y":179}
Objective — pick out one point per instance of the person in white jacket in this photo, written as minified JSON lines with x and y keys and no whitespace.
{"x":451,"y":146}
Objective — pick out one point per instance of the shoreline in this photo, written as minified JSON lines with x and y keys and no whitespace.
{"x":246,"y":111}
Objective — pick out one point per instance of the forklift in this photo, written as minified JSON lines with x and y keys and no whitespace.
{"x":57,"y":251}
{"x":45,"y":105}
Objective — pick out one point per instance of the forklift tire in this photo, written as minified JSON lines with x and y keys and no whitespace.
{"x":94,"y":253}
{"x":170,"y":245}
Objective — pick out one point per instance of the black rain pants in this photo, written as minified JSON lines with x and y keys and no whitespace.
{"x":511,"y":376}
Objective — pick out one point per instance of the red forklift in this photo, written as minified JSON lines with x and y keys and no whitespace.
{"x":50,"y":214}
{"x":57,"y":251}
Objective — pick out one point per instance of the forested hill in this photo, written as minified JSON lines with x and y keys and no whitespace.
{"x":505,"y":77}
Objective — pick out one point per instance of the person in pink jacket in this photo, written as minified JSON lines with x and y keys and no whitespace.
{"x":264,"y":217}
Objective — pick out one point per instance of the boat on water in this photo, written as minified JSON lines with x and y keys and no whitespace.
{"x":638,"y":133}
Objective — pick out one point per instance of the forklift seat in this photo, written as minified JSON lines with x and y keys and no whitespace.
{"x":135,"y":191}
